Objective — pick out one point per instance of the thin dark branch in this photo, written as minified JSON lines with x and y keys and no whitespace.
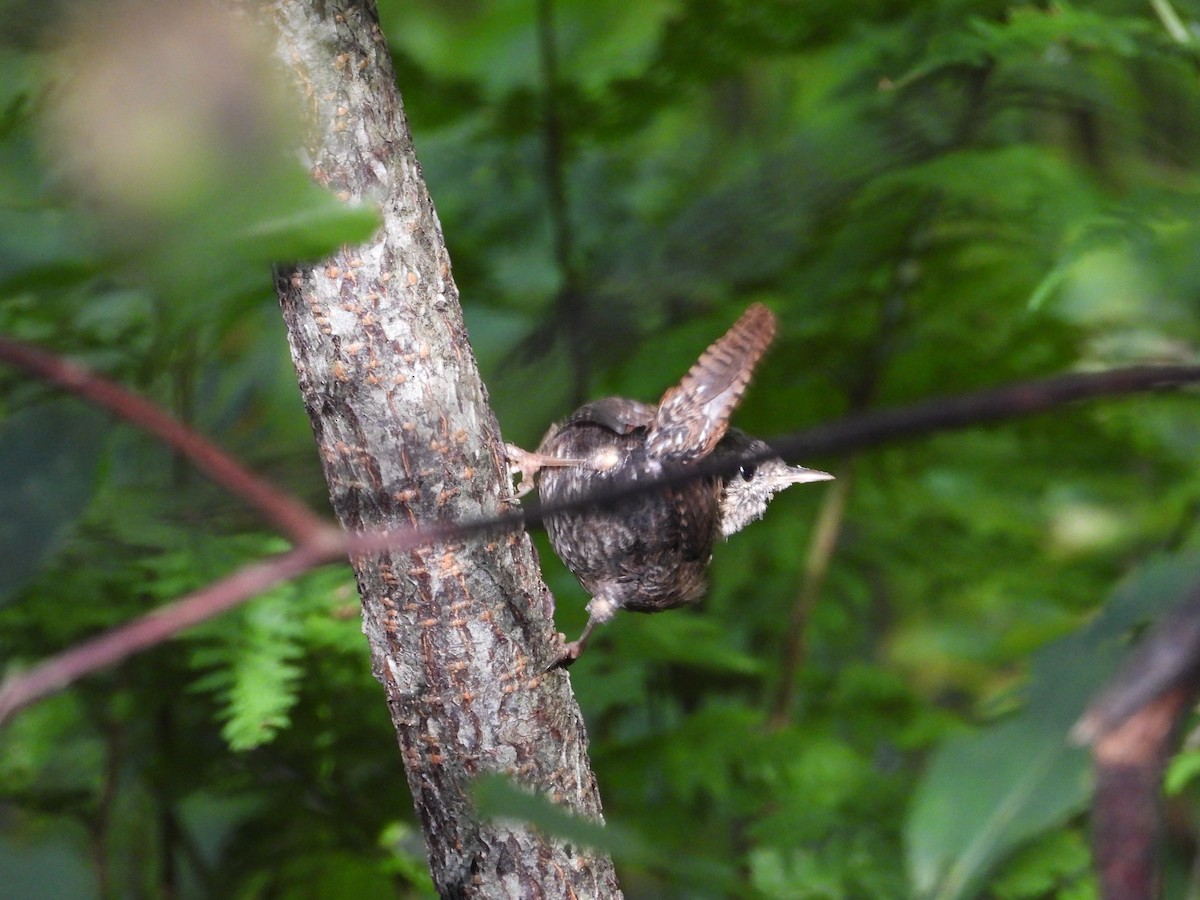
{"x":283,"y":511}
{"x":849,"y":435}
{"x":1027,"y":398}
{"x":866,"y":430}
{"x":327,"y":543}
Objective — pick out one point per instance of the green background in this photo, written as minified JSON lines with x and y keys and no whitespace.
{"x":933,"y":196}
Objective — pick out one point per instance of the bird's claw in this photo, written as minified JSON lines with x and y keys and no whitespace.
{"x":525,"y":466}
{"x":567,"y":655}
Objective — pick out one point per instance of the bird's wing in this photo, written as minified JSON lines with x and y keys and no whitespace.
{"x":693,"y":415}
{"x":617,"y":414}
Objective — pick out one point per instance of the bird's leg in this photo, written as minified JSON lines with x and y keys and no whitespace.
{"x":525,"y":465}
{"x":600,"y":611}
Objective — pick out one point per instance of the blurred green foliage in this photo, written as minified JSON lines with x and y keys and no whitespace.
{"x":934,"y":197}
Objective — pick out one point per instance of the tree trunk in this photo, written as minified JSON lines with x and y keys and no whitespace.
{"x":459,"y":631}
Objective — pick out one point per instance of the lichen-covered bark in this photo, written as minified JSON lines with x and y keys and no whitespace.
{"x":460,"y":631}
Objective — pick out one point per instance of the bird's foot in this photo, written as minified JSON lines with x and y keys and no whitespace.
{"x":600,"y":609}
{"x":567,"y":655}
{"x":526,"y":465}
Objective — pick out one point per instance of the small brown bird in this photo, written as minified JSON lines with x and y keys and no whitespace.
{"x":650,"y":552}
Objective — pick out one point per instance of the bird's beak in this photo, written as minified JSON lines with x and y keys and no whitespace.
{"x":801,"y":475}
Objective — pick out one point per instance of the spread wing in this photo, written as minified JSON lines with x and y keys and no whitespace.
{"x":693,"y":415}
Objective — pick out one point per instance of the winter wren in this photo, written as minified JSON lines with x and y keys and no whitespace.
{"x":649,"y":552}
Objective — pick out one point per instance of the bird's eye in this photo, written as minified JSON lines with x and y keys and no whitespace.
{"x":747,"y":472}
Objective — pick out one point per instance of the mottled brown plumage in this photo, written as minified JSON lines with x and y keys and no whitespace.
{"x":692,"y":416}
{"x":650,"y":552}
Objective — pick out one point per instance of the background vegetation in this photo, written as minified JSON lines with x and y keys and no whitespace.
{"x":933,"y":196}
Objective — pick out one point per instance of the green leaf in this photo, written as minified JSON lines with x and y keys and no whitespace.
{"x":983,"y":795}
{"x":497,"y":797}
{"x":256,"y":669}
{"x":301,"y":221}
{"x":986,"y":793}
{"x":1028,"y":34}
{"x":1181,"y":771}
{"x":48,"y":454}
{"x":1045,"y":867}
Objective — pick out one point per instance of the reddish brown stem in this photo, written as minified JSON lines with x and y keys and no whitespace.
{"x":285,"y":512}
{"x":1131,"y":726}
{"x":57,"y":672}
{"x":64,"y":669}
{"x":1127,"y":807}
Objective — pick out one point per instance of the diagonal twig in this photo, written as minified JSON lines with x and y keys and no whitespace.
{"x":1132,"y":727}
{"x":57,"y":672}
{"x":282,"y":510}
{"x":318,"y":543}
